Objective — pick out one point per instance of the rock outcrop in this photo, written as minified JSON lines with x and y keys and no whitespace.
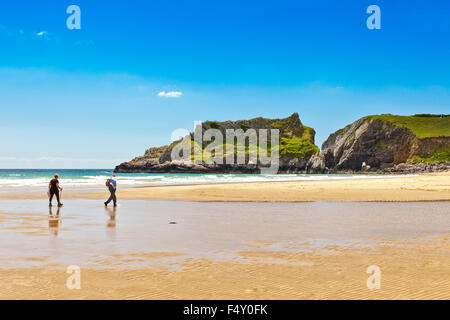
{"x":377,"y":144}
{"x":387,"y":143}
{"x":296,"y":146}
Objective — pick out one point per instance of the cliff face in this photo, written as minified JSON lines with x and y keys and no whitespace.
{"x":296,"y":146}
{"x":383,"y":143}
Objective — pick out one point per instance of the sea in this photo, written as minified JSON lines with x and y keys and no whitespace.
{"x":96,"y":178}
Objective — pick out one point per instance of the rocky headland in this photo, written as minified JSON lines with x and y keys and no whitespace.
{"x":387,"y":144}
{"x":373,"y":144}
{"x":296,"y":147}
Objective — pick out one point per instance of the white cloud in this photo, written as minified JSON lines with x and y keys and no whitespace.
{"x":42,"y":33}
{"x":170,"y":94}
{"x":24,"y":34}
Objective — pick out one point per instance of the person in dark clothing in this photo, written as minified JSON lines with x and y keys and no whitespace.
{"x":112,"y":187}
{"x":54,"y":189}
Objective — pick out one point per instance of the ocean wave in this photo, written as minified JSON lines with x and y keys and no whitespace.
{"x":168,"y":179}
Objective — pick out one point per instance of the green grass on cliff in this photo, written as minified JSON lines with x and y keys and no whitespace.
{"x":423,"y":126}
{"x":296,"y":147}
{"x":429,"y":158}
{"x":299,"y":147}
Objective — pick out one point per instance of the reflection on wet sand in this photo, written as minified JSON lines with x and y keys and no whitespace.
{"x":205,"y":230}
{"x":54,"y":220}
{"x":253,"y":250}
{"x":112,"y":217}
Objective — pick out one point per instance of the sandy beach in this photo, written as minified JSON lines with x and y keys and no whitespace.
{"x":409,"y":271}
{"x":151,"y":249}
{"x":418,"y":188}
{"x":421,"y":187}
{"x":278,"y":240}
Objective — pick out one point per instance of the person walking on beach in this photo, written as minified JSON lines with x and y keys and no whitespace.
{"x":111,"y":183}
{"x":54,"y":189}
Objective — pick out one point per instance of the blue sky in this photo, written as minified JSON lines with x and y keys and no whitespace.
{"x":89,"y":98}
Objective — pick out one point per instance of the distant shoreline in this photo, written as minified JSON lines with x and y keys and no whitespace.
{"x":425,"y":187}
{"x":411,"y":188}
{"x":26,"y":181}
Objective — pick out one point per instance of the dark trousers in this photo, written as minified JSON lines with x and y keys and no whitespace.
{"x":112,"y":197}
{"x":52,"y":193}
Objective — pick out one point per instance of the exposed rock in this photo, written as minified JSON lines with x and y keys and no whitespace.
{"x":316,"y":164}
{"x":418,"y":167}
{"x":389,"y":144}
{"x":373,"y":144}
{"x":365,"y":167}
{"x":296,"y":146}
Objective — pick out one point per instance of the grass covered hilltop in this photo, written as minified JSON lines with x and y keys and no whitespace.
{"x":384,"y":141}
{"x":296,"y":147}
{"x":422,"y":125}
{"x":296,"y":140}
{"x":425,"y":126}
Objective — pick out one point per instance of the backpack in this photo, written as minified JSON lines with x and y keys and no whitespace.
{"x":108,"y":182}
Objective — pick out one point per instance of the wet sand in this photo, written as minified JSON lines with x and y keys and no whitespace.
{"x":414,"y":272}
{"x":192,"y":250}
